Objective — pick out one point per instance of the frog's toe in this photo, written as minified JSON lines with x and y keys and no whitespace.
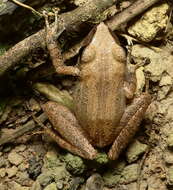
{"x":45,"y":14}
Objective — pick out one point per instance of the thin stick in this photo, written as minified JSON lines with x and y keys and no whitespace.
{"x":27,"y":7}
{"x":30,"y":125}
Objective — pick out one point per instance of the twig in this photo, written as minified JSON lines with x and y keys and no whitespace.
{"x":27,"y":7}
{"x":70,"y":19}
{"x":133,"y":10}
{"x":73,"y":18}
{"x":30,"y":125}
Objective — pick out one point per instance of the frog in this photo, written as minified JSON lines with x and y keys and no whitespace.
{"x":105,"y":113}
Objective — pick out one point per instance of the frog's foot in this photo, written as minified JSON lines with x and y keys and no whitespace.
{"x":70,"y":135}
{"x":129,"y":124}
{"x":52,"y":32}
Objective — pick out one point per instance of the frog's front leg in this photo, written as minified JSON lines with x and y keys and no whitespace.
{"x":55,"y":50}
{"x":129,"y":124}
{"x":71,"y":136}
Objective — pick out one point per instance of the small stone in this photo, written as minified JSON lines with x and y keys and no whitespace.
{"x":16,"y":186}
{"x":67,"y":83}
{"x":15,"y":158}
{"x":102,"y":158}
{"x":51,"y":186}
{"x":36,"y":186}
{"x":94,"y":182}
{"x":45,"y":178}
{"x":169,"y":175}
{"x":7,"y":148}
{"x":170,"y":140}
{"x":135,"y":150}
{"x":34,"y":105}
{"x":140,"y":80}
{"x":2,"y":162}
{"x":2,"y":172}
{"x":113,"y":175}
{"x":12,"y":171}
{"x":23,"y":166}
{"x":23,"y":178}
{"x":51,"y":159}
{"x":74,"y":164}
{"x":34,"y":168}
{"x":133,"y":186}
{"x":168,"y":156}
{"x":20,"y":148}
{"x":129,"y":174}
{"x":3,"y":187}
{"x":165,"y":80}
{"x":59,"y":185}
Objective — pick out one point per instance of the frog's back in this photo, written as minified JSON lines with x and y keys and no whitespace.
{"x":99,"y":96}
{"x":100,"y":102}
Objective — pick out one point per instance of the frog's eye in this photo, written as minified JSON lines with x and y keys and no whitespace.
{"x":88,"y":54}
{"x":118,"y":53}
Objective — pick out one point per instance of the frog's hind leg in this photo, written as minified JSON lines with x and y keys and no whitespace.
{"x":71,"y":136}
{"x":129,"y":123}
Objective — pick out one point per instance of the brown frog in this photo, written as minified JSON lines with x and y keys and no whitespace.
{"x":100,"y":116}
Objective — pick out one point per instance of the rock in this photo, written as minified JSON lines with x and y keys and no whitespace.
{"x":74,"y":164}
{"x":102,"y":158}
{"x":80,"y":2}
{"x":140,"y":80}
{"x":51,"y":186}
{"x":94,"y":182}
{"x":160,"y":60}
{"x":2,"y":162}
{"x":2,"y":172}
{"x":23,"y":178}
{"x":51,"y":159}
{"x":15,"y":186}
{"x":20,"y":148}
{"x":23,"y":166}
{"x":135,"y":150}
{"x":58,"y":174}
{"x":169,"y":175}
{"x":111,"y":179}
{"x":12,"y":171}
{"x":45,"y":178}
{"x":113,"y":175}
{"x":168,"y":157}
{"x":133,"y":186}
{"x":165,"y":80}
{"x":129,"y":174}
{"x":7,"y":148}
{"x":3,"y":187}
{"x":36,"y":186}
{"x":76,"y":182}
{"x":170,"y":140}
{"x":34,"y":168}
{"x":151,"y":23}
{"x":15,"y":158}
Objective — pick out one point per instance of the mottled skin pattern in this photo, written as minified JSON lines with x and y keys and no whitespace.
{"x":100,"y":116}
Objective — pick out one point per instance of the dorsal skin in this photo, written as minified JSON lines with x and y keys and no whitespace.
{"x":99,"y":97}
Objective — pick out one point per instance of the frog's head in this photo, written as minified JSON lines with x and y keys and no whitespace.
{"x":103,"y":44}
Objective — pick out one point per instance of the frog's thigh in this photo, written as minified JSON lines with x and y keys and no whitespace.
{"x":73,"y":137}
{"x":129,"y":123}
